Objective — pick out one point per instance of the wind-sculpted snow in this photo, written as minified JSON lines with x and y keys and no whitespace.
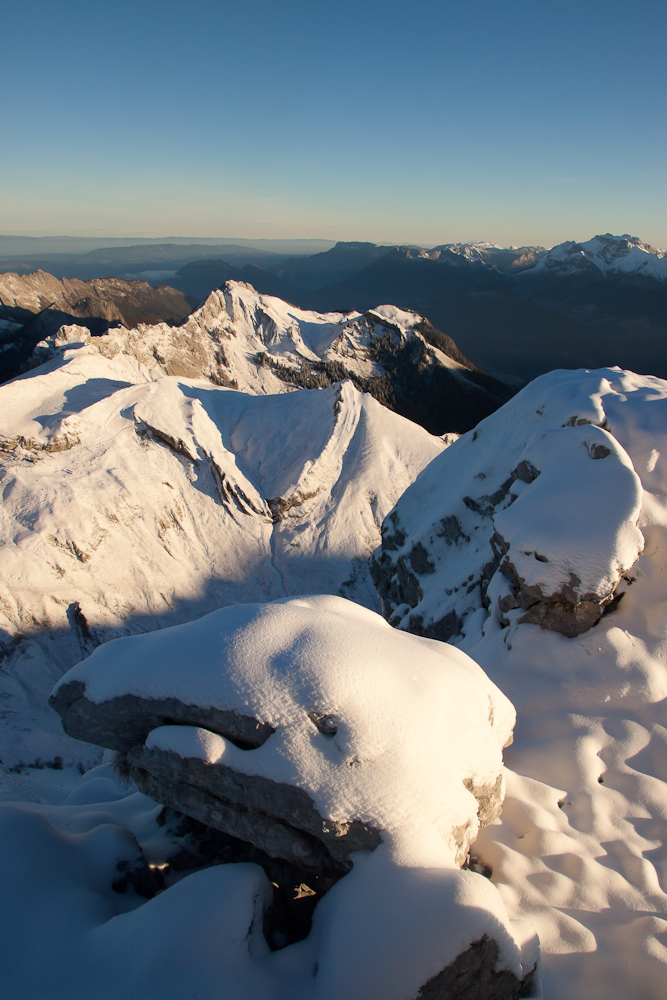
{"x":538,"y":544}
{"x":379,"y":730}
{"x":131,"y":502}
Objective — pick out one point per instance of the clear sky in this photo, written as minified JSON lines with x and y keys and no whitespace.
{"x":426,"y":121}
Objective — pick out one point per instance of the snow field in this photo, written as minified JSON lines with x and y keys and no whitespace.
{"x":136,"y":502}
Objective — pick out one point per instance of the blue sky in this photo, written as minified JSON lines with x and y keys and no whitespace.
{"x":517,"y":121}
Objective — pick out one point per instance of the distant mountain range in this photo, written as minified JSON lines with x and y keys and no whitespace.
{"x":517,"y":312}
{"x":32,"y":245}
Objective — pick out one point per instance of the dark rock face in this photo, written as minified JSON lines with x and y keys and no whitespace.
{"x":38,"y":304}
{"x":277,"y":818}
{"x":124,"y":722}
{"x":473,"y":976}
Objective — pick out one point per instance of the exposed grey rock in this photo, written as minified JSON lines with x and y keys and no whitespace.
{"x":125,"y":721}
{"x":565,"y":611}
{"x":473,"y":976}
{"x":559,"y":615}
{"x":279,"y":819}
{"x":450,"y":530}
{"x":276,"y":839}
{"x":419,"y":559}
{"x":450,"y":550}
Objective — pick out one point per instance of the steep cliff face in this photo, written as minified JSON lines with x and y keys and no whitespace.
{"x":36,"y":305}
{"x":260,"y":344}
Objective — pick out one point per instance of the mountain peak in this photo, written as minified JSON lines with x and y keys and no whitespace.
{"x":606,"y":254}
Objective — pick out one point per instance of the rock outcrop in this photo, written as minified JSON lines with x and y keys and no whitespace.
{"x":532,"y":518}
{"x":34,"y":307}
{"x":221,"y":750}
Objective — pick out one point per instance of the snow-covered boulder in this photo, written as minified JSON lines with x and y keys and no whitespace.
{"x":308,"y":727}
{"x":313,"y":730}
{"x":535,"y":512}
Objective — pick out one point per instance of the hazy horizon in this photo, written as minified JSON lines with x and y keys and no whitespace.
{"x":190,"y":238}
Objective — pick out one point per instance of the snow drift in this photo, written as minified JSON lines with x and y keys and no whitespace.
{"x":538,"y":544}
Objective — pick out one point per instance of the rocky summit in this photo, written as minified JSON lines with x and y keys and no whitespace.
{"x":261,"y":344}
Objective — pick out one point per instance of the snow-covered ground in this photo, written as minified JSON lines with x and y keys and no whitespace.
{"x":132,"y":502}
{"x":395,"y":753}
{"x":560,"y":500}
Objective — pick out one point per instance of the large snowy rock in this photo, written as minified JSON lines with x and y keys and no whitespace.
{"x":361,"y":733}
{"x":580,"y":849}
{"x":372,"y":759}
{"x":535,"y":510}
{"x":260,"y":344}
{"x":132,"y":501}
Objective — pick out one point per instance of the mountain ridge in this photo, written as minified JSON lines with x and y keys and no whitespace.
{"x":259,"y":343}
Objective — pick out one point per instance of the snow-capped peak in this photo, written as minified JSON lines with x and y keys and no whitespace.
{"x":492,"y":255}
{"x":255,"y":342}
{"x":608,"y":254}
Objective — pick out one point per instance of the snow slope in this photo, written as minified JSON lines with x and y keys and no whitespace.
{"x":132,"y":501}
{"x":607,"y":254}
{"x":581,"y":846}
